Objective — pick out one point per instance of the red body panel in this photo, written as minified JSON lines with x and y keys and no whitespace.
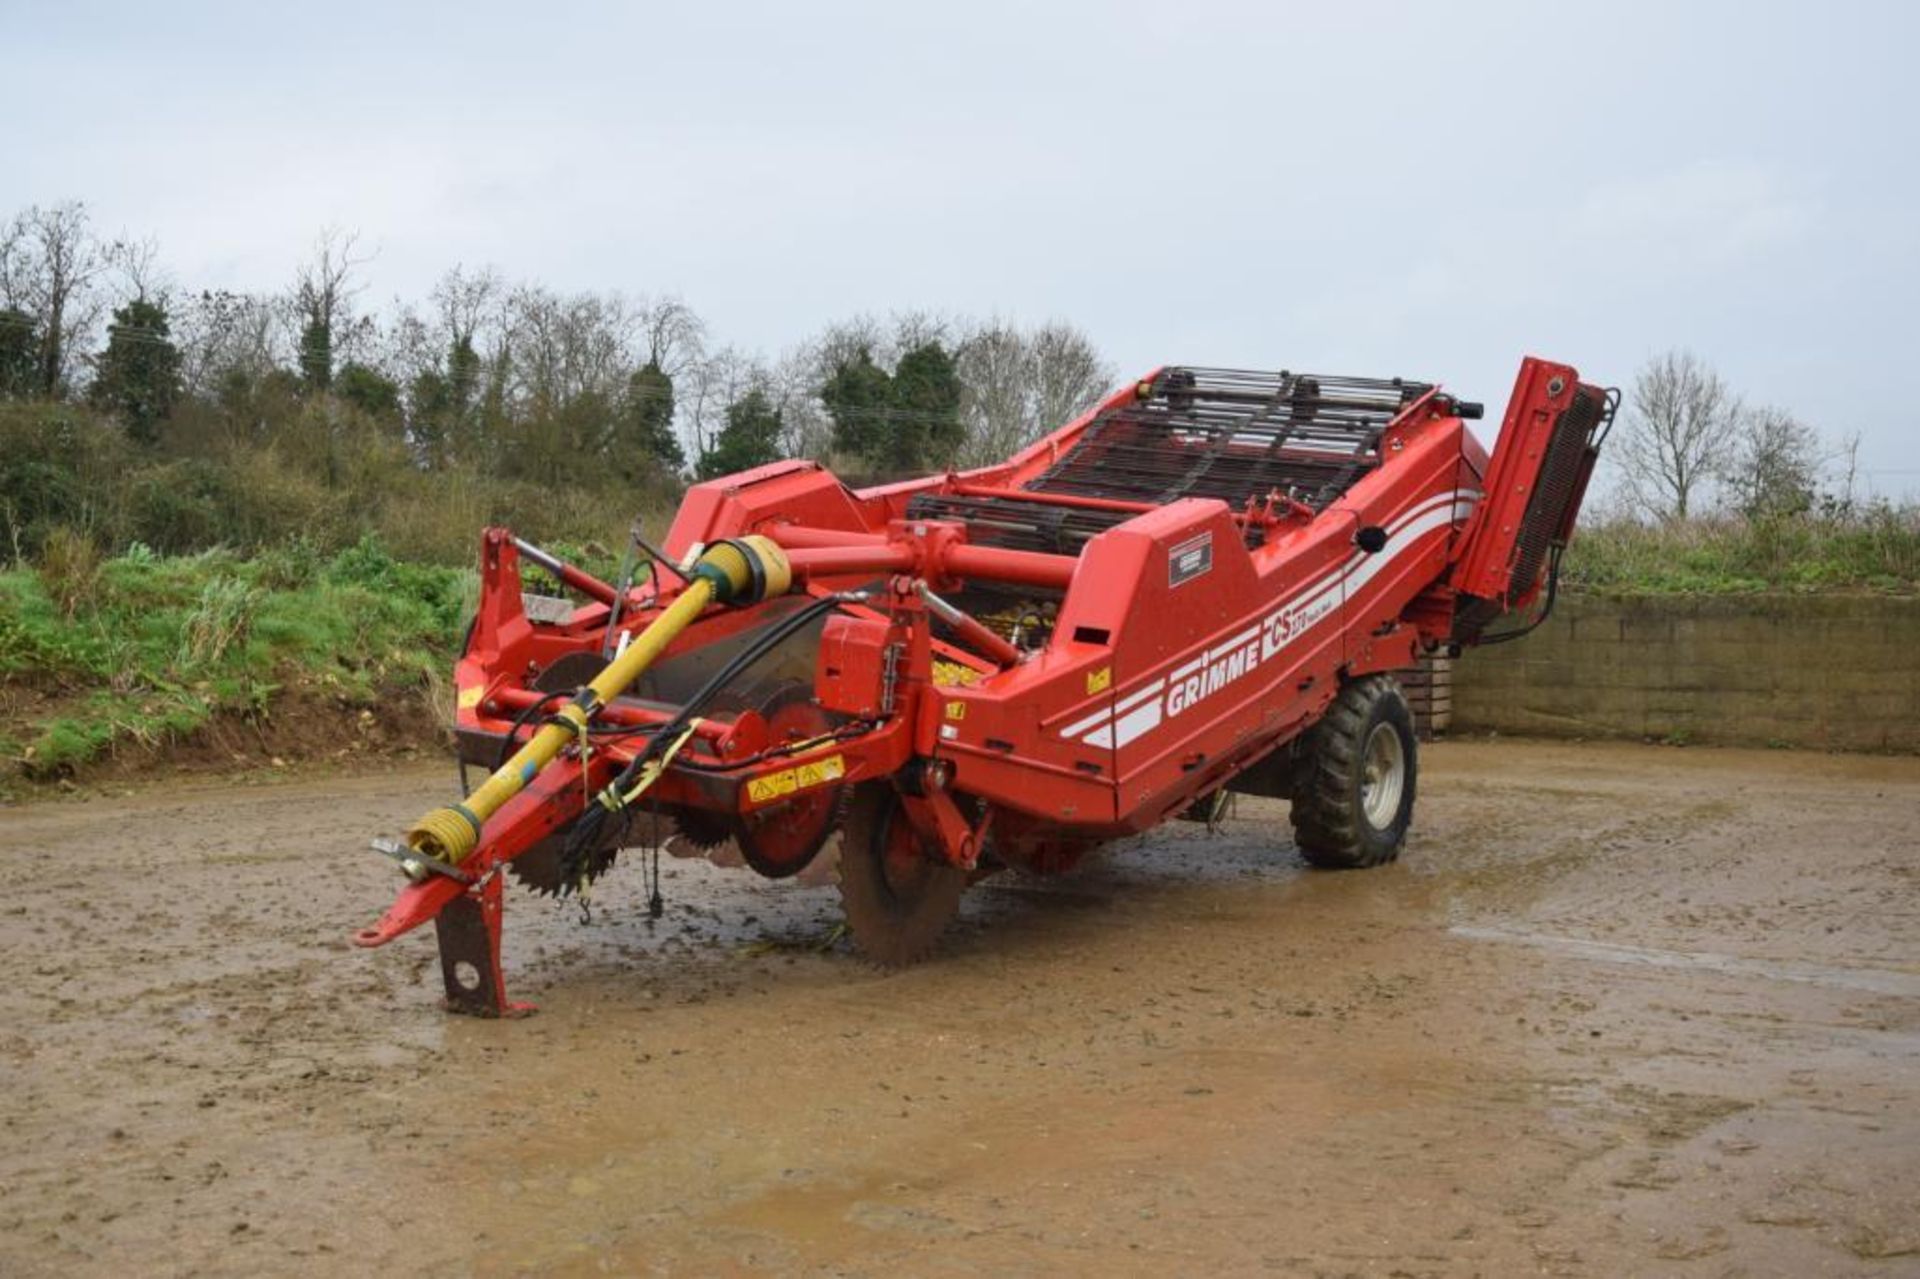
{"x":1541,"y":393}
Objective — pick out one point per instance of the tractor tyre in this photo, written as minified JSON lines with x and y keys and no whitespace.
{"x":1353,"y":791}
{"x":898,"y":894}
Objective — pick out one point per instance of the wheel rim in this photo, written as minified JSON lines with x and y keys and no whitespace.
{"x":1383,"y":776}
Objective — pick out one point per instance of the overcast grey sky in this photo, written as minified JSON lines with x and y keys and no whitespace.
{"x":1424,"y":190}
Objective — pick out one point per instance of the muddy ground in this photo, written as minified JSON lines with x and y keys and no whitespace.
{"x":1620,"y":1010}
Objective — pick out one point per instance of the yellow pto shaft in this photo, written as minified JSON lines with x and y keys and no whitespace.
{"x":741,"y":571}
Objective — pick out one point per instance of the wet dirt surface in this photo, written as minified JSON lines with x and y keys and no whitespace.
{"x":1620,"y":1010}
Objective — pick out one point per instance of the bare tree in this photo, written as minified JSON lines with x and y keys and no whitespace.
{"x":908,"y":330}
{"x":995,"y":367}
{"x":1848,"y":455}
{"x":136,"y":264}
{"x":674,"y":337}
{"x":445,"y":343}
{"x":1069,"y":374}
{"x":439,"y":362}
{"x":1678,"y":435}
{"x":794,"y":385}
{"x":566,"y":347}
{"x":323,"y":290}
{"x":714,"y":385}
{"x":464,"y":300}
{"x":1022,"y":383}
{"x":840,"y":342}
{"x":13,"y":263}
{"x":49,"y":263}
{"x":223,"y":334}
{"x":567,"y":361}
{"x":1776,"y":464}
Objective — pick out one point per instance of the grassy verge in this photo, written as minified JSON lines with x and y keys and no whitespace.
{"x":1874,"y":549}
{"x":142,"y":650}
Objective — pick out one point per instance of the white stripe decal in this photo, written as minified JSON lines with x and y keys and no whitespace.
{"x":1414,"y":530}
{"x":1143,"y":719}
{"x":1244,"y":637}
{"x":1194,"y":681}
{"x":1078,"y":727}
{"x":1189,"y":668}
{"x":1101,"y":717}
{"x":1333,"y":578}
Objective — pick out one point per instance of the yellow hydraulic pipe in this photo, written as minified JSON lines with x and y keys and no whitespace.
{"x":741,"y":571}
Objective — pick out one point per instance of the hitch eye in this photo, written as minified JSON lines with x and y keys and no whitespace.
{"x":1372,"y":539}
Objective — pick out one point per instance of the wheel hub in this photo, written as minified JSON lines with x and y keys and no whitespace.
{"x":1383,"y":776}
{"x":897,"y":893}
{"x":904,"y":864}
{"x":780,"y":840}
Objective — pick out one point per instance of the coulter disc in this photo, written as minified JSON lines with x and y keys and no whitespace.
{"x":898,"y":894}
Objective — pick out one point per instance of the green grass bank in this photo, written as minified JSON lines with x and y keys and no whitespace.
{"x":131,"y":656}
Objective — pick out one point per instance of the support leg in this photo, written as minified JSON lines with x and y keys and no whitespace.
{"x":468,"y":928}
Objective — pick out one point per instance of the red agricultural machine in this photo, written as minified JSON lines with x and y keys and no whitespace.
{"x":1201,"y":585}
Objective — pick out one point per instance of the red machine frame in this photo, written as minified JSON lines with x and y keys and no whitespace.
{"x":1191,"y":640}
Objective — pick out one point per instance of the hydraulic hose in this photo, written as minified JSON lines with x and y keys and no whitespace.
{"x":740,"y":571}
{"x":667,"y":737}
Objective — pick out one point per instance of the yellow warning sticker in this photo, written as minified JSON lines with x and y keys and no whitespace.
{"x":1099,"y":681}
{"x":763,"y":790}
{"x":470,"y":696}
{"x":956,"y":710}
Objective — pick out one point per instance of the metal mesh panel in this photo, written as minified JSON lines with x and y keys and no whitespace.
{"x":1229,"y":434}
{"x":1547,"y":509}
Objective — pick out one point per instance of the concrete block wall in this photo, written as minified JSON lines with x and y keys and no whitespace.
{"x":1827,"y":671}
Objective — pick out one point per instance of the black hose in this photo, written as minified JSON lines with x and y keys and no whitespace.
{"x":762,"y":644}
{"x":588,"y":833}
{"x":777,"y":634}
{"x":1546,"y":608}
{"x":520,"y":721}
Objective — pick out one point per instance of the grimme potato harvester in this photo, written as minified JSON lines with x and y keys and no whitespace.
{"x":1202,"y":585}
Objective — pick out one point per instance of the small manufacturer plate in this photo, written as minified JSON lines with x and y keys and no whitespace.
{"x":1190,"y":559}
{"x":546,"y":610}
